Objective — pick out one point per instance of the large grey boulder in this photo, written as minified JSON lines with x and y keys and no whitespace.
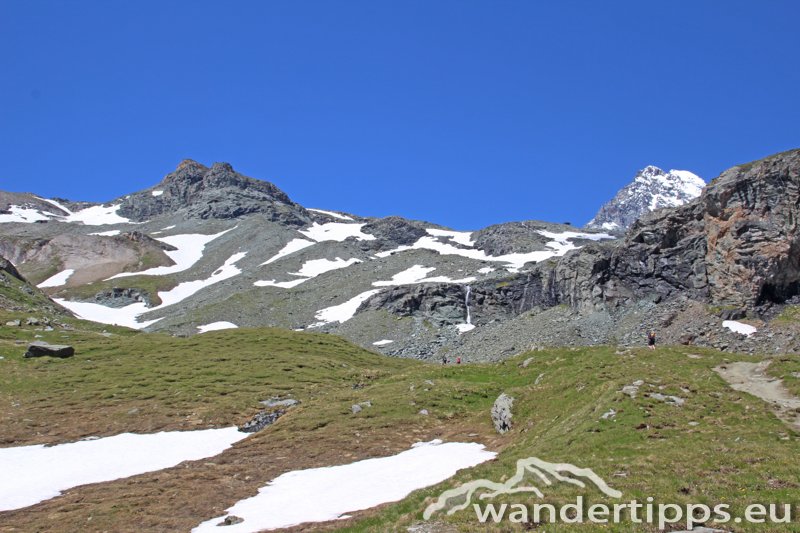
{"x":501,"y":413}
{"x":42,"y":349}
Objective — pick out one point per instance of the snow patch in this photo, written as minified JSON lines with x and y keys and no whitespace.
{"x":459,"y":237}
{"x":189,"y":251}
{"x":32,"y":474}
{"x":291,"y":247}
{"x":216,"y":326}
{"x":24,"y":214}
{"x":110,"y":233}
{"x":58,"y":280}
{"x":558,"y":246}
{"x":157,"y":193}
{"x":128,"y":316}
{"x":310,"y":269}
{"x":463,"y":328}
{"x":383,"y":342}
{"x":330,"y":213}
{"x":344,"y":311}
{"x":323,"y":494}
{"x":739,"y":327}
{"x":485,"y":270}
{"x":336,"y":231}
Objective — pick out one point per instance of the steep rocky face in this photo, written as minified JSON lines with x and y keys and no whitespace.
{"x":516,"y":237}
{"x":218,"y":192}
{"x":391,"y":232}
{"x":736,"y":245}
{"x":651,"y":189}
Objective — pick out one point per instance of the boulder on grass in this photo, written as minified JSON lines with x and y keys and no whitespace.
{"x":42,"y":349}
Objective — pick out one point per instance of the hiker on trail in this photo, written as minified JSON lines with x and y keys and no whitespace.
{"x":651,"y":340}
{"x":444,"y":359}
{"x":458,"y":360}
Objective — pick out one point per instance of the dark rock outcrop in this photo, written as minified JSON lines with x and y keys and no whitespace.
{"x":42,"y":349}
{"x":392,"y":232}
{"x":216,"y":192}
{"x":261,"y":420}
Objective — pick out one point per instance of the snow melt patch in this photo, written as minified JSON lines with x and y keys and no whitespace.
{"x":463,"y":328}
{"x":322,"y":494}
{"x":310,"y":269}
{"x":336,"y":231}
{"x":459,"y":237}
{"x":558,"y":246}
{"x":383,"y":342}
{"x":24,"y":215}
{"x":32,"y":474}
{"x":216,"y":326}
{"x":330,"y":213}
{"x":157,"y":193}
{"x":110,"y":233}
{"x":295,"y":245}
{"x":58,"y":280}
{"x":128,"y":316}
{"x":344,"y":311}
{"x":739,"y":327}
{"x":189,"y":251}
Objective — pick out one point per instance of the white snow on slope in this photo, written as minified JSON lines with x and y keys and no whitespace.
{"x":128,"y":316}
{"x":58,"y":280}
{"x":216,"y":326}
{"x":383,"y":342}
{"x":110,"y":233}
{"x":459,"y":237}
{"x":558,"y":246}
{"x":322,"y":494}
{"x":739,"y":327}
{"x":417,"y":274}
{"x":97,"y":215}
{"x":330,"y":213}
{"x":336,"y":231}
{"x":189,"y":251}
{"x":344,"y":311}
{"x":310,"y":269}
{"x":157,"y":193}
{"x":24,"y":215}
{"x":32,"y":474}
{"x":291,"y":247}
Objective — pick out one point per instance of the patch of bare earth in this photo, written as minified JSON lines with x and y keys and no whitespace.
{"x":752,"y":378}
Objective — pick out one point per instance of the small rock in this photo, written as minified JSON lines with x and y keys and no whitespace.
{"x":41,"y":349}
{"x":423,"y":412}
{"x":429,"y":382}
{"x":608,"y":415}
{"x":14,"y":323}
{"x":277,"y":402}
{"x":31,"y":321}
{"x":501,"y":413}
{"x":527,"y":362}
{"x":674,"y":400}
{"x":539,"y":379}
{"x":356,"y":409}
{"x":133,"y":411}
{"x":366,"y":404}
{"x":231,"y":520}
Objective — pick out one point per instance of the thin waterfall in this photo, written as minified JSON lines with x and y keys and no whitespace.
{"x":466,"y":302}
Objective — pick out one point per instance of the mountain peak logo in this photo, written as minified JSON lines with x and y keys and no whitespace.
{"x":454,"y":500}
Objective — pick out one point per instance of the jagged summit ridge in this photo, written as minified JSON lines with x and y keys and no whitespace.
{"x":651,"y":189}
{"x":215,"y":192}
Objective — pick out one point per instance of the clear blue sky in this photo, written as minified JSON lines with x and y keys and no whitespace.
{"x":459,"y":112}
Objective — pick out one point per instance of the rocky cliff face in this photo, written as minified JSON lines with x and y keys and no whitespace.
{"x":216,"y":192}
{"x":651,"y":189}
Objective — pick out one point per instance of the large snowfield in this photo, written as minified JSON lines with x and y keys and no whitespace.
{"x":31,"y":474}
{"x":323,"y":494}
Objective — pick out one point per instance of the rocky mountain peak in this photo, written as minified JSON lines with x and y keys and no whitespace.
{"x":652,"y":188}
{"x":217,"y":191}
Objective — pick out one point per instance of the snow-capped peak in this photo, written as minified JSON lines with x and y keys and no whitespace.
{"x":651,"y":189}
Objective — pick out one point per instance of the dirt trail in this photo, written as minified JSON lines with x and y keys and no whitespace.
{"x":753,"y":379}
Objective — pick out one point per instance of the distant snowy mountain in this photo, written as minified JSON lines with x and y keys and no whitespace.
{"x":651,"y":189}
